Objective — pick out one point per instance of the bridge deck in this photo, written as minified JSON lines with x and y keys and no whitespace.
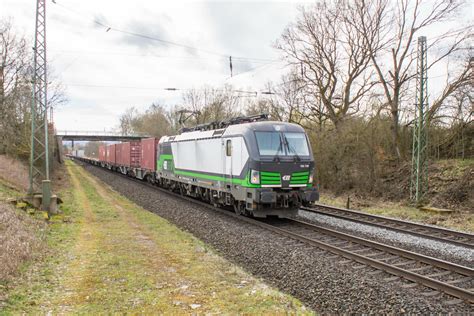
{"x":97,"y":136}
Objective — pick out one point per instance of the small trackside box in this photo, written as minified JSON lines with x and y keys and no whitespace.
{"x":148,"y":153}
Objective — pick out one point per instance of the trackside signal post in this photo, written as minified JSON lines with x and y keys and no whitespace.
{"x":39,"y":154}
{"x":419,"y":172}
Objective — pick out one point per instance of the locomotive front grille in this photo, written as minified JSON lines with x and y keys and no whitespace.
{"x":299,"y":178}
{"x":270,"y":178}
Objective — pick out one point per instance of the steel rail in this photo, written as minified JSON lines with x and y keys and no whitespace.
{"x":390,"y":249}
{"x":416,"y":229}
{"x":441,"y":286}
{"x":391,"y":269}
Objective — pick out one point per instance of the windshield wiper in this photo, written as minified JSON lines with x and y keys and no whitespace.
{"x":280,"y":147}
{"x":291,"y":149}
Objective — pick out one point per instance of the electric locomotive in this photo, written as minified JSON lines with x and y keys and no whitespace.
{"x":258,"y":167}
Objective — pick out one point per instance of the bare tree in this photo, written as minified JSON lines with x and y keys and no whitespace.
{"x":334,"y":57}
{"x":393,"y":54}
{"x":461,"y":81}
{"x":15,"y":91}
{"x":211,"y":104}
{"x":285,"y":101}
{"x":14,"y":60}
{"x":153,"y":122}
{"x":128,"y":121}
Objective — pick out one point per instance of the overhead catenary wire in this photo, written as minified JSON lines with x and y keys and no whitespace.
{"x":172,"y":89}
{"x":124,"y":53}
{"x":109,"y":28}
{"x":189,"y":49}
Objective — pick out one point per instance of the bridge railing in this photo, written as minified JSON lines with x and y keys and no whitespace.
{"x":98,"y":134}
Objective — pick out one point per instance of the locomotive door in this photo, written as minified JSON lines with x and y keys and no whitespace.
{"x":228,"y":160}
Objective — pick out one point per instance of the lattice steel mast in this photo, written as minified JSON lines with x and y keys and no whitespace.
{"x":39,"y":156}
{"x":419,"y":173}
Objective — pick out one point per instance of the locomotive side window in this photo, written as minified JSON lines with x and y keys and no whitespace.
{"x":228,"y":148}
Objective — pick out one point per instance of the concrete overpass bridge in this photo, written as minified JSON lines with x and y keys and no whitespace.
{"x":97,"y":136}
{"x":91,"y":136}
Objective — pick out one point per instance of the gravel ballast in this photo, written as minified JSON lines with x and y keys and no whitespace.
{"x":316,"y":278}
{"x":426,"y":246}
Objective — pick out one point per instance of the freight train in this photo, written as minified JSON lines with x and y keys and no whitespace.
{"x":257,"y":167}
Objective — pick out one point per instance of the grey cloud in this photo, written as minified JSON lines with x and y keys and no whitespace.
{"x":149,"y":29}
{"x":249,"y":27}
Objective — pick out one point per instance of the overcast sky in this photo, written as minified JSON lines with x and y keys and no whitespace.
{"x":105,"y":72}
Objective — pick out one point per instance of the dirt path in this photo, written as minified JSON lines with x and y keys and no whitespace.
{"x":125,"y":259}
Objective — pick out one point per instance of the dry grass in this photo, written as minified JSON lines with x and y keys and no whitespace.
{"x":20,"y":240}
{"x":14,"y":172}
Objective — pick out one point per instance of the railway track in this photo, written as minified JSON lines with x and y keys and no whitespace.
{"x":420,"y":230}
{"x":438,"y":275}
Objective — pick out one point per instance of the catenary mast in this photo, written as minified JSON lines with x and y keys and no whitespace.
{"x":39,"y":155}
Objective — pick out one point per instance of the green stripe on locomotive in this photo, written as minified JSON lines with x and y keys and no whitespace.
{"x":266,"y":178}
{"x":169,"y":158}
{"x":161,"y":160}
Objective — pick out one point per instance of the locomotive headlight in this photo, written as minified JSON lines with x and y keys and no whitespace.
{"x":310,"y":180}
{"x":254,"y":177}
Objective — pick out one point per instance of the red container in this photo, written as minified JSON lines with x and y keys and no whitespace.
{"x":102,"y":153}
{"x":148,"y":156}
{"x":118,"y":154}
{"x":135,"y":154}
{"x":110,"y":155}
{"x":128,"y":154}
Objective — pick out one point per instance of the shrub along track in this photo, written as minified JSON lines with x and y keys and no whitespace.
{"x":420,"y":230}
{"x":295,"y":267}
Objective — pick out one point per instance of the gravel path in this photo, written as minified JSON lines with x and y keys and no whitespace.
{"x":314,"y":277}
{"x":426,"y":246}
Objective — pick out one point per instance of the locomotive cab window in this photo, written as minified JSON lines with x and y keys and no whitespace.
{"x":282,"y":144}
{"x":270,"y":143}
{"x":228,"y":147}
{"x":296,"y":144}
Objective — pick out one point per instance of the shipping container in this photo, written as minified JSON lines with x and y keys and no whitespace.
{"x":102,"y":153}
{"x":118,"y":154}
{"x":128,"y":154}
{"x":110,"y":155}
{"x":135,"y":154}
{"x":148,"y":157}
